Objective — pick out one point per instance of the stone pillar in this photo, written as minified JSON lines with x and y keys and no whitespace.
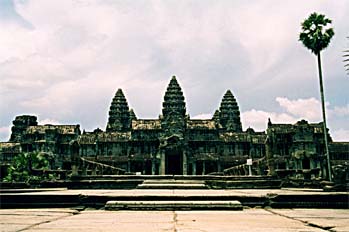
{"x":184,"y":167}
{"x":312,"y":163}
{"x":84,"y":170}
{"x":162,"y":163}
{"x":129,"y":166}
{"x":74,"y":170}
{"x":219,"y":168}
{"x":203,"y":167}
{"x":270,"y":158}
{"x":193,"y":167}
{"x":153,"y":166}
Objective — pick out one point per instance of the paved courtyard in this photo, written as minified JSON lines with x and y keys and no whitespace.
{"x":247,"y":220}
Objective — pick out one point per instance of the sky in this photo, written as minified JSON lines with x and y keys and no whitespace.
{"x":64,"y":60}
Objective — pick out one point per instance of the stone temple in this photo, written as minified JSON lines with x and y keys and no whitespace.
{"x":177,"y":145}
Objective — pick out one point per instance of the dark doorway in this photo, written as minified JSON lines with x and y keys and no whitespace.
{"x":306,"y":163}
{"x":199,"y":167}
{"x":174,"y":162}
{"x":210,"y":166}
{"x":147,"y":167}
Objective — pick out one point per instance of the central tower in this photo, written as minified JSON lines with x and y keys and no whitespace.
{"x":173,"y":111}
{"x":173,"y":125}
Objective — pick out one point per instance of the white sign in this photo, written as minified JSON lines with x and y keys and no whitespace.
{"x":249,"y":162}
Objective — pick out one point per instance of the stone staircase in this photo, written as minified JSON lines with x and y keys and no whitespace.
{"x":173,"y":202}
{"x":172,"y":184}
{"x":174,"y":205}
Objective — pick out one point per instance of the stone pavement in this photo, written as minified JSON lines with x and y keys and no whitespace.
{"x":275,"y":198}
{"x":255,"y":219}
{"x":173,"y":192}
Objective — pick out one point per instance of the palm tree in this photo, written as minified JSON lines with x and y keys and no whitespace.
{"x":316,"y":36}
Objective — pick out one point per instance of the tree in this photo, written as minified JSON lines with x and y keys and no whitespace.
{"x":24,"y":165}
{"x":316,"y":36}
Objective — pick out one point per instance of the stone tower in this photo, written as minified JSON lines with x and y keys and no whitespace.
{"x":119,"y":114}
{"x":132,"y":115}
{"x":173,"y":111}
{"x":173,"y":104}
{"x":229,"y":114}
{"x":173,"y":123}
{"x":20,"y":124}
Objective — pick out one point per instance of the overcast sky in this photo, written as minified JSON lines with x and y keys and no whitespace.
{"x":64,"y":60}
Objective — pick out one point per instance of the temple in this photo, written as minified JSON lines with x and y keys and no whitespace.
{"x":175,"y":144}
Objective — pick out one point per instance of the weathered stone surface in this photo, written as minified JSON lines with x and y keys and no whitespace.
{"x":251,"y":220}
{"x":172,"y":184}
{"x":229,"y":113}
{"x":276,"y":198}
{"x":119,"y":114}
{"x":173,"y":205}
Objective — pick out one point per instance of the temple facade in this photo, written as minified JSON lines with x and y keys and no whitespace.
{"x":175,"y":144}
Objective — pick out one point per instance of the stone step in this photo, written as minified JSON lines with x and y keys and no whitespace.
{"x":166,"y":181}
{"x":244,"y":184}
{"x":284,"y":198}
{"x":170,"y":177}
{"x":172,"y":184}
{"x":173,"y":205}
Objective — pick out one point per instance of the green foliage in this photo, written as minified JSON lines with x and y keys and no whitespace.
{"x":315,"y":36}
{"x":28,"y":167}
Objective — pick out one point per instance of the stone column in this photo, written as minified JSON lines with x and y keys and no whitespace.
{"x":74,"y":169}
{"x":203,"y":167}
{"x":128,"y":166}
{"x":219,"y":168}
{"x":153,"y":166}
{"x":162,"y":163}
{"x":270,"y":158}
{"x":184,"y":166}
{"x":193,"y":167}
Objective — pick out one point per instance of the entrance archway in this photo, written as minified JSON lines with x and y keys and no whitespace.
{"x":174,"y":162}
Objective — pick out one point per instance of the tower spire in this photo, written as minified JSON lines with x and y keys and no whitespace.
{"x":229,"y":115}
{"x":174,"y":100}
{"x":119,"y":113}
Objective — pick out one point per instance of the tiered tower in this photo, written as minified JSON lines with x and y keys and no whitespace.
{"x":132,"y":115}
{"x":20,"y":124}
{"x":119,"y":114}
{"x":173,"y":120}
{"x":173,"y":137}
{"x":229,"y":114}
{"x":173,"y":104}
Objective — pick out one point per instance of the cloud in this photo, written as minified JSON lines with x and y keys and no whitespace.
{"x":202,"y":116}
{"x":65,"y":59}
{"x":291,"y":111}
{"x":258,"y":119}
{"x":48,"y":121}
{"x":340,"y":135}
{"x":302,"y":108}
{"x":5,"y":132}
{"x":341,"y":111}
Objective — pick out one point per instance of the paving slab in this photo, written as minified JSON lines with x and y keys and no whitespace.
{"x":224,"y":192}
{"x":252,"y":220}
{"x":338,"y":219}
{"x":22,"y":219}
{"x":247,"y":220}
{"x":276,"y":198}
